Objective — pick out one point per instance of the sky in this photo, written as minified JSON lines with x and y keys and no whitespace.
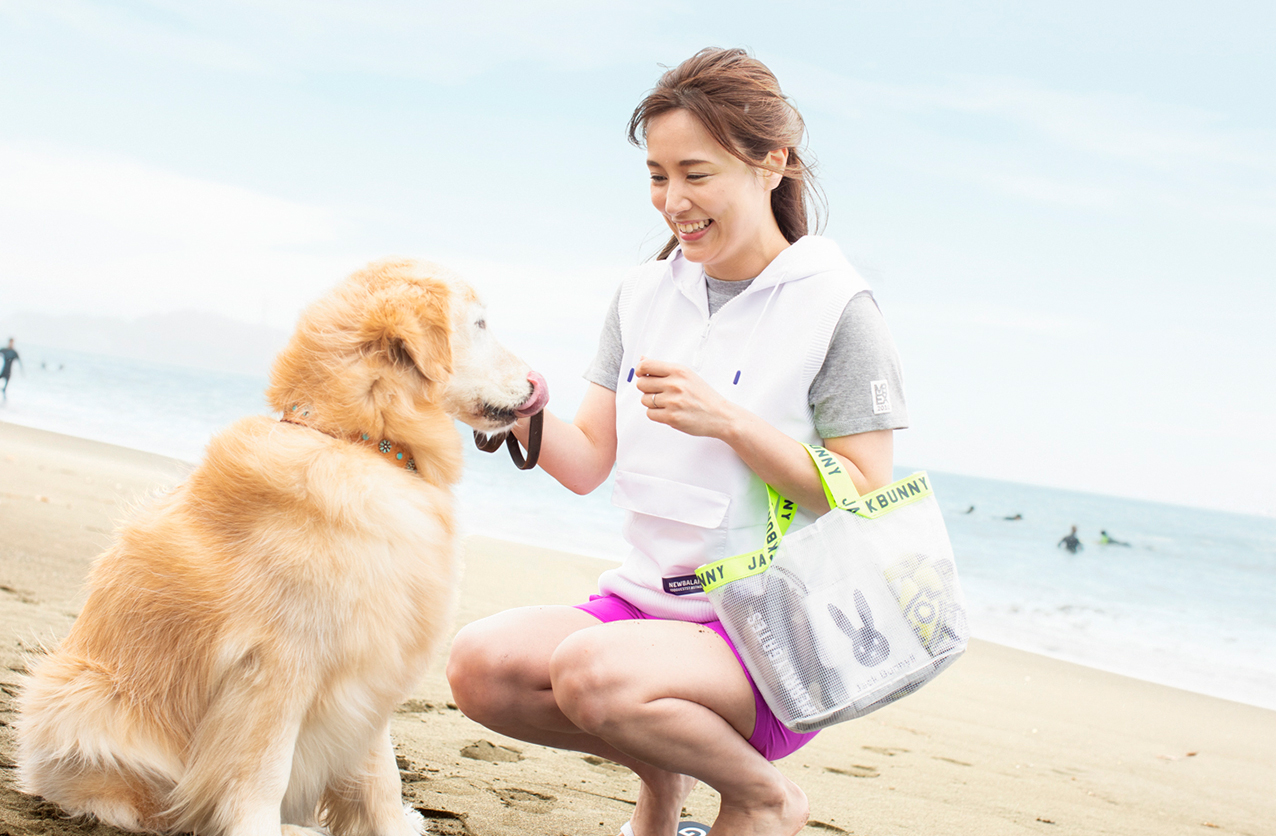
{"x":1066,"y":211}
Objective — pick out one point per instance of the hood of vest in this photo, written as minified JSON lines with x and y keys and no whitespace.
{"x":809,"y":256}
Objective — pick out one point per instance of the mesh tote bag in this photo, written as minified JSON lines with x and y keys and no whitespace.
{"x":850,"y":613}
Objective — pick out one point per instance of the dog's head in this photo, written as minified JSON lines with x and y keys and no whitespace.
{"x":397,"y":342}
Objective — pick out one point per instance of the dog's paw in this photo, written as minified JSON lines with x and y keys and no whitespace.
{"x":416,"y":821}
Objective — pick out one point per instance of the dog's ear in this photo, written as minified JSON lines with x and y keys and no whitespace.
{"x":409,"y":326}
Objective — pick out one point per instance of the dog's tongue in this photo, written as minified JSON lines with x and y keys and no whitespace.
{"x":539,"y":397}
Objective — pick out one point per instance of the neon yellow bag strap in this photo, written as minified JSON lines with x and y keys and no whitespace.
{"x":840,"y":492}
{"x":897,"y":494}
{"x":838,"y":488}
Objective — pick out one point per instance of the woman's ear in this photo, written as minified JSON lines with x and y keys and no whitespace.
{"x":774,"y":165}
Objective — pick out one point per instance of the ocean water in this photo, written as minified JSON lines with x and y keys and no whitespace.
{"x":1191,"y":602}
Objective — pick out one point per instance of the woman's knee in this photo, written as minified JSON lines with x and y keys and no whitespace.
{"x":475,"y":671}
{"x":497,"y":661}
{"x":590,"y":683}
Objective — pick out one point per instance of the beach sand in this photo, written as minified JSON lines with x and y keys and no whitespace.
{"x":1006,"y":742}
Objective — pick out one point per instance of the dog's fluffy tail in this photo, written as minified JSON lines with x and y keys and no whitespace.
{"x":81,"y":746}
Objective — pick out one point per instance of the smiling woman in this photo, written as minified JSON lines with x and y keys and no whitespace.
{"x":735,"y":108}
{"x":745,"y":339}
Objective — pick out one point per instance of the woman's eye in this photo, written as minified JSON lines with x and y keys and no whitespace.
{"x":696,"y":176}
{"x":658,"y":178}
{"x":482,"y":323}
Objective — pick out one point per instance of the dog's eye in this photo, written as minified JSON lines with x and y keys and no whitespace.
{"x":482,"y":323}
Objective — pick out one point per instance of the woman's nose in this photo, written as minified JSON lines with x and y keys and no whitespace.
{"x":676,"y":199}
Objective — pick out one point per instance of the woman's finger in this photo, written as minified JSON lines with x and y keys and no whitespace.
{"x":648,"y":367}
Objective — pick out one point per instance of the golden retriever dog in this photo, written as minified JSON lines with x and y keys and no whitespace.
{"x":246,"y":639}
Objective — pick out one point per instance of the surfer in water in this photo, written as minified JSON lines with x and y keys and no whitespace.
{"x":9,"y":355}
{"x":1108,"y":540}
{"x":1070,"y":542}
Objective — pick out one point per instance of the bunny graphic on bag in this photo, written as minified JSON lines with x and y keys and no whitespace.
{"x":869,"y":646}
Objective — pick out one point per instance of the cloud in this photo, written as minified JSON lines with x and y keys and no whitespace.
{"x":1133,"y":129}
{"x":125,"y":197}
{"x":89,"y":232}
{"x":1128,"y":128}
{"x":1092,"y":149}
{"x":158,"y":29}
{"x":441,"y":41}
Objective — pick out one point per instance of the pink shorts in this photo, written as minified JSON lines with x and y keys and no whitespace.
{"x":770,"y":737}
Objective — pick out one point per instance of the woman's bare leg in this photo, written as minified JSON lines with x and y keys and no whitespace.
{"x":666,"y":699}
{"x":671,"y":694}
{"x":499,"y":672}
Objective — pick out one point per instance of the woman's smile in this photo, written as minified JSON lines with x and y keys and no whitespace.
{"x":692,"y":230}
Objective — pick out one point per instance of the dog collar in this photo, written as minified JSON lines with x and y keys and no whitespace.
{"x":392,"y":451}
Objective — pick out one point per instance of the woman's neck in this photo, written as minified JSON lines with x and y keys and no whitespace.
{"x":752,"y":262}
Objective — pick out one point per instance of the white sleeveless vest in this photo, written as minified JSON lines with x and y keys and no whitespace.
{"x":692,"y":500}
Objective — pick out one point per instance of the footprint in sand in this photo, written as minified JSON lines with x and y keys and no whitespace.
{"x":855,"y":770}
{"x":603,"y":763}
{"x":444,"y":822}
{"x":485,"y":750}
{"x":526,"y":800}
{"x":408,"y":773}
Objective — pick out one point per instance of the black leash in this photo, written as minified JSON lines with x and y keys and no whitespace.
{"x":492,"y":443}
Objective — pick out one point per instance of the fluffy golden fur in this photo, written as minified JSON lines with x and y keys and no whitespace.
{"x":246,"y":639}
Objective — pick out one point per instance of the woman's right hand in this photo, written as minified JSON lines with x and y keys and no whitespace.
{"x":579,"y":454}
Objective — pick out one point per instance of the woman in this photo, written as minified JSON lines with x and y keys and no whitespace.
{"x":745,"y":338}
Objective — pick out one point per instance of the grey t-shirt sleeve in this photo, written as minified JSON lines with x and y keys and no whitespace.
{"x":860,"y":387}
{"x":605,"y":369}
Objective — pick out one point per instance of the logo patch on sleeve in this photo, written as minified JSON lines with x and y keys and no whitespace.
{"x":881,"y":396}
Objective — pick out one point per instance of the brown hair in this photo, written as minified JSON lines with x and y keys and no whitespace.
{"x":739,"y":102}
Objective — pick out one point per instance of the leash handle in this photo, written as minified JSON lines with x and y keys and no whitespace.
{"x":492,"y":443}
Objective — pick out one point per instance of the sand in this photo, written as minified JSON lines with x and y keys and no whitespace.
{"x":1006,"y":742}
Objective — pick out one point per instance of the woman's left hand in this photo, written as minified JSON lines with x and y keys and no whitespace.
{"x":677,"y":396}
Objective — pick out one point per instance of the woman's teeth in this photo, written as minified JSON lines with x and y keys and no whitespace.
{"x":694,"y":226}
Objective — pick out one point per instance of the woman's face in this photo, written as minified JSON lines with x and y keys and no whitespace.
{"x":718,"y":206}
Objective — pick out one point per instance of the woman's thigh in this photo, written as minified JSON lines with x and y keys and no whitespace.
{"x":624,"y":663}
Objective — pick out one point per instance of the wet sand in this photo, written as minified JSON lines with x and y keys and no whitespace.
{"x":1006,"y":742}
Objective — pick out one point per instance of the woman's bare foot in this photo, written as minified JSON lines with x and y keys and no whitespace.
{"x":780,"y":812}
{"x":660,"y":800}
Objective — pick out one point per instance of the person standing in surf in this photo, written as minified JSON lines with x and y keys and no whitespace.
{"x":1071,"y":542}
{"x":9,"y":355}
{"x":745,"y":338}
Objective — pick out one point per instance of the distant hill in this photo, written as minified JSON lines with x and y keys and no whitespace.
{"x":185,"y":338}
